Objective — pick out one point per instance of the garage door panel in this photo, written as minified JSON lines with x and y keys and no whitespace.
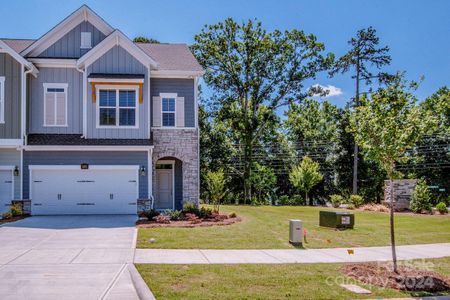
{"x":6,"y":186}
{"x":84,"y":191}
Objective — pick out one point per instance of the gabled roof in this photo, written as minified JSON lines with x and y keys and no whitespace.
{"x":84,"y":13}
{"x":117,"y":38}
{"x":172,"y":57}
{"x":7,"y":49}
{"x":18,"y":45}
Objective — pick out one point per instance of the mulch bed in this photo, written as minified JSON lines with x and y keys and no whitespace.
{"x":13,"y":219}
{"x":187,"y":224}
{"x":407,"y":279}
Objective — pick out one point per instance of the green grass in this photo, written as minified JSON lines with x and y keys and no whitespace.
{"x":301,"y":281}
{"x":266,"y":227}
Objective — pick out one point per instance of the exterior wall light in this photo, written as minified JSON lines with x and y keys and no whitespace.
{"x":16,"y":171}
{"x":143,"y":171}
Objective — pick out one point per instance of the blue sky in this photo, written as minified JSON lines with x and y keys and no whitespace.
{"x":418,"y":32}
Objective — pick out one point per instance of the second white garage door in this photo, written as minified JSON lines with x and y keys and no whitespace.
{"x":68,"y":190}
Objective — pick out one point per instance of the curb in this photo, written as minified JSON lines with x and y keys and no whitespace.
{"x":141,"y":287}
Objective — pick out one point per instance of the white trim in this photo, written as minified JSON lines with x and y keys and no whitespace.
{"x":64,"y":86}
{"x":173,"y":128}
{"x":11,"y":142}
{"x":54,"y":62}
{"x":150,"y":174}
{"x":85,"y":90}
{"x":168,"y":162}
{"x":4,"y":48}
{"x":116,"y":38}
{"x":117,"y":88}
{"x":150,"y":105}
{"x":176,"y":74}
{"x":21,"y":173}
{"x":169,"y":96}
{"x":196,"y":102}
{"x":112,"y":80}
{"x":2,"y":100}
{"x":84,"y":13}
{"x":78,"y":167}
{"x":86,"y":148}
{"x":10,"y":168}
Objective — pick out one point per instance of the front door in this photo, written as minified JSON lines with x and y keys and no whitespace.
{"x":164,"y":187}
{"x":6,"y":188}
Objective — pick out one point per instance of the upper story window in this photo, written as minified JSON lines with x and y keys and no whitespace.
{"x":55,"y":104}
{"x":168,"y":111}
{"x":117,"y":107}
{"x":86,"y":40}
{"x":2,"y":99}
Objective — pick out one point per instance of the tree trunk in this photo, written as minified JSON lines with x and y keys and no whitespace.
{"x":391,"y":199}
{"x":307,"y":198}
{"x":247,"y":170}
{"x":355,"y":150}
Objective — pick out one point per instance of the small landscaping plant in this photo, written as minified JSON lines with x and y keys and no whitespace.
{"x":150,"y":214}
{"x":16,"y":210}
{"x":191,"y":208}
{"x":205,"y":213}
{"x":356,"y":200}
{"x":442,"y":208}
{"x":336,"y":200}
{"x":375,"y":207}
{"x":421,"y":198}
{"x":7,"y":215}
{"x":174,"y":215}
{"x":162,"y":219}
{"x":192,"y":218}
{"x":232,"y":215}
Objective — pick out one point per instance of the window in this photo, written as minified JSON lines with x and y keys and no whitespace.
{"x":117,"y":107}
{"x":86,"y":40}
{"x":2,"y":99}
{"x":168,"y":112}
{"x":55,"y":104}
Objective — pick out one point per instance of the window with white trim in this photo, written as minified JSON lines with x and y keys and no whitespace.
{"x":2,"y":99}
{"x":86,"y":40}
{"x":55,"y":104}
{"x":117,"y":107}
{"x":168,"y":111}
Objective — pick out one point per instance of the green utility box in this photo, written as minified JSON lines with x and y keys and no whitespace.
{"x":337,"y":219}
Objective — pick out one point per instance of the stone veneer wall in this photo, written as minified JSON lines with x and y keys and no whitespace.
{"x":403,"y":189}
{"x":183,"y":145}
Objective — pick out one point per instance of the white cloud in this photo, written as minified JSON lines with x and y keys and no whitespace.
{"x":332,"y":90}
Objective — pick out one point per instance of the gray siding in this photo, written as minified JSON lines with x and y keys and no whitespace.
{"x":74,"y":100}
{"x":11,"y":69}
{"x":69,"y":45}
{"x":184,"y":88}
{"x":11,"y":157}
{"x":118,"y":61}
{"x":90,"y":157}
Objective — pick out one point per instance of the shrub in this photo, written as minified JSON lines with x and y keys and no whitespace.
{"x":192,"y":218}
{"x":150,"y":214}
{"x":336,"y":200}
{"x":205,"y":213}
{"x":356,"y":200}
{"x":7,"y":215}
{"x":232,"y":215}
{"x":174,"y":215}
{"x":421,"y":198}
{"x":350,"y":206}
{"x":218,"y":217}
{"x":191,"y":208}
{"x":283,"y":200}
{"x":442,"y":208}
{"x":375,"y":207}
{"x":16,"y":210}
{"x":162,"y":219}
{"x":297,"y":200}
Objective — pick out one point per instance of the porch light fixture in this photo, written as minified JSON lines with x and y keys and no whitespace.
{"x":16,"y":171}
{"x":143,"y":171}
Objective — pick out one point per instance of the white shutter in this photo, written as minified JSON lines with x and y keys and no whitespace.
{"x":179,"y":112}
{"x":157,"y":111}
{"x":49,"y":113}
{"x":60,"y":109}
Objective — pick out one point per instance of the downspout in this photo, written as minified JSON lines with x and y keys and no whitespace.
{"x":23,"y":122}
{"x":83,"y":71}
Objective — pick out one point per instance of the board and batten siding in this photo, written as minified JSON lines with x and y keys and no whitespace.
{"x":90,"y":157}
{"x":183,"y":88}
{"x":11,"y":70}
{"x":118,"y":61}
{"x":69,"y":45}
{"x":11,"y":157}
{"x":74,"y":79}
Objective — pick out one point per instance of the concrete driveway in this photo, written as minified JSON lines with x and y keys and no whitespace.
{"x":67,"y":257}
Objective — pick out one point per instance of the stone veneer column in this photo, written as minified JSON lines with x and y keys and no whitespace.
{"x":403,"y":190}
{"x":183,"y":145}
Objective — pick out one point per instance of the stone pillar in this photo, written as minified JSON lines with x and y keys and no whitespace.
{"x":403,"y":190}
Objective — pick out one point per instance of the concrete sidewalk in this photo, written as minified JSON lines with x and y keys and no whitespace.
{"x":288,"y":256}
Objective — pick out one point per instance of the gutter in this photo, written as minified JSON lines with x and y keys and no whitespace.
{"x":83,"y":71}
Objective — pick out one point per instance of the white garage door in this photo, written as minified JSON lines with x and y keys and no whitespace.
{"x":70,"y":190}
{"x":6,"y":188}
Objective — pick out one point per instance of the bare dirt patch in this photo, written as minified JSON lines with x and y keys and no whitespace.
{"x":187,"y":224}
{"x":408,"y":278}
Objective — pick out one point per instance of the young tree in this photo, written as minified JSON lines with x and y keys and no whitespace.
{"x":387,"y":124}
{"x":263,"y":181}
{"x":215,"y":182}
{"x":250,"y":68}
{"x":364,"y":52}
{"x":305,"y":176}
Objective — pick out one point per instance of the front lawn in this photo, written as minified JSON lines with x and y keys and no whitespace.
{"x":266,"y":227}
{"x":301,"y":281}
